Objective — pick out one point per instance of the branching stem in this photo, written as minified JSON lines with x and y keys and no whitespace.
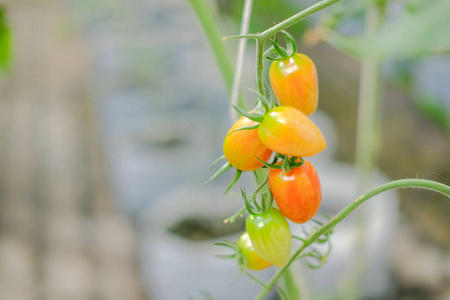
{"x":402,"y":183}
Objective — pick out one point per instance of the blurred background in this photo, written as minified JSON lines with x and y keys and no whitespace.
{"x":111,"y":113}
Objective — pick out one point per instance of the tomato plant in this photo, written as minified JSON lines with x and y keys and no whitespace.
{"x":252,"y":259}
{"x":294,"y":82}
{"x":240,"y":147}
{"x":287,"y":130}
{"x":270,"y":235}
{"x":297,"y":193}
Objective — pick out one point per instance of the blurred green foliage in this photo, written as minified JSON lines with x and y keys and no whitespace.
{"x":415,"y":30}
{"x":5,"y":42}
{"x":421,"y":28}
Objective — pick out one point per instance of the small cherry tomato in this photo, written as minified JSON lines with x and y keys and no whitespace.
{"x":241,"y":147}
{"x":287,"y":130}
{"x":252,"y":259}
{"x":270,"y":236}
{"x":297,"y":193}
{"x":294,"y":82}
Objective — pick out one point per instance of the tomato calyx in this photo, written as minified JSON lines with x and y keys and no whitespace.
{"x":251,"y":204}
{"x":287,"y":164}
{"x":263,"y":105}
{"x":276,"y":52}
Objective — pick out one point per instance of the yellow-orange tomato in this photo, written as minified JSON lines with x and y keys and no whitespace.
{"x":294,"y":82}
{"x":297,"y":193}
{"x":287,"y":130}
{"x":241,"y":147}
{"x":252,"y":259}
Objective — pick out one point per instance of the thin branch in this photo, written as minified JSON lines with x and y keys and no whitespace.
{"x":295,"y":18}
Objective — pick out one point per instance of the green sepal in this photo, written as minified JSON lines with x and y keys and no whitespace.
{"x":236,"y":177}
{"x":222,"y":256}
{"x":248,"y":206}
{"x":276,"y":52}
{"x":262,"y":99}
{"x":271,"y":54}
{"x":253,"y":197}
{"x":268,"y":165}
{"x":291,"y":46}
{"x":282,"y":52}
{"x":251,"y":116}
{"x":219,"y":172}
{"x":216,"y":161}
{"x":228,"y":244}
{"x":244,"y":128}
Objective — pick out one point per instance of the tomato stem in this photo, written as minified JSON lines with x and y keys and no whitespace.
{"x":295,"y":18}
{"x":402,"y":183}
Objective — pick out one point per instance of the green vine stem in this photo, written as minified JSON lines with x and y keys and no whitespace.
{"x":295,"y":18}
{"x":367,"y":144}
{"x":402,"y":183}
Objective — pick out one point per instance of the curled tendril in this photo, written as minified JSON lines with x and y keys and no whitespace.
{"x":312,"y":256}
{"x":314,"y":259}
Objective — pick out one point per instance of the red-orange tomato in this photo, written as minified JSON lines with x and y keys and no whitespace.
{"x":241,"y":147}
{"x":287,"y":130}
{"x":294,"y":82}
{"x":297,"y":193}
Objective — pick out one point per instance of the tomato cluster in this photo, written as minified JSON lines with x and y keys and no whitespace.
{"x":286,"y":130}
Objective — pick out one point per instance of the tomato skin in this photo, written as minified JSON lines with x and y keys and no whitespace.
{"x":287,"y":130}
{"x":270,"y":236}
{"x":294,"y":82}
{"x":241,"y":147}
{"x":297,"y":193}
{"x":253,"y":260}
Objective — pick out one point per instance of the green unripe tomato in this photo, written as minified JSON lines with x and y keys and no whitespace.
{"x":252,"y":259}
{"x":270,"y":236}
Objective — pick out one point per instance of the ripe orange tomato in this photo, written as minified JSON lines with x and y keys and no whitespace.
{"x":252,"y":259}
{"x":241,"y":147}
{"x":294,"y":82}
{"x":297,"y":193}
{"x":287,"y":130}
